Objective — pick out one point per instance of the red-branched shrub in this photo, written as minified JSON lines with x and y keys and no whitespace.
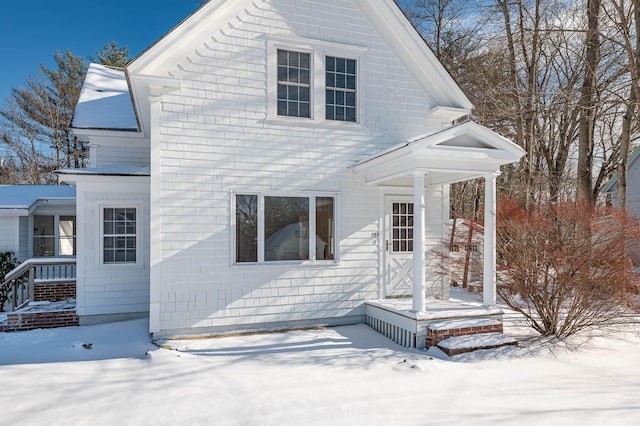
{"x":565,"y":267}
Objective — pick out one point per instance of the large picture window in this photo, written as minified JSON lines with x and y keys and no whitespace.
{"x":284,"y":228}
{"x":119,"y":235}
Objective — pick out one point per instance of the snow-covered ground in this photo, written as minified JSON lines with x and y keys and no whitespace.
{"x":336,"y":376}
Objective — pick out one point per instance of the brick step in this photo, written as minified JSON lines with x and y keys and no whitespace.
{"x":42,"y":315}
{"x":441,"y":330}
{"x":473,"y":342}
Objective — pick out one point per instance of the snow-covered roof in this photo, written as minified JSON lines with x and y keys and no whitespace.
{"x":105,"y":102}
{"x":24,"y":196}
{"x":117,"y":170}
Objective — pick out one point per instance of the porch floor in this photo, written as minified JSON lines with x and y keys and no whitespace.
{"x":395,"y":318}
{"x":435,"y":309}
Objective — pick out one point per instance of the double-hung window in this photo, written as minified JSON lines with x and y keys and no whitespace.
{"x":294,"y":83}
{"x":277,"y":228}
{"x":119,"y":236}
{"x":340,"y":88}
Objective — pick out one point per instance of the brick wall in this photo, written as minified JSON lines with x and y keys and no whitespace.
{"x":33,"y":320}
{"x":54,"y":291}
{"x":436,"y":336}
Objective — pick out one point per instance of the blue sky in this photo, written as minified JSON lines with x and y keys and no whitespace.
{"x":32,"y":30}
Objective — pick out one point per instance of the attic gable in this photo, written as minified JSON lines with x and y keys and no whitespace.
{"x":218,"y":19}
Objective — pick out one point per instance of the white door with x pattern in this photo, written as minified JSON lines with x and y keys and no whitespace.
{"x":398,"y":252}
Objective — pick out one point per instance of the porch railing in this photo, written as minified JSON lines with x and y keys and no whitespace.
{"x":20,"y":282}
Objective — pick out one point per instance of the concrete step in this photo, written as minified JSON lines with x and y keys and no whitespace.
{"x":473,"y":342}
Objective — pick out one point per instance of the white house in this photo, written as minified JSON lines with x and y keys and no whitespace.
{"x":274,"y":164}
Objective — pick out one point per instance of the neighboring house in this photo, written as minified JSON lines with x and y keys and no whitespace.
{"x":610,"y":189}
{"x":274,"y":164}
{"x":38,"y":220}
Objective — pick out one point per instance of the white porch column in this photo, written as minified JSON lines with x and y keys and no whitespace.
{"x":418,"y":241}
{"x":489,"y":273}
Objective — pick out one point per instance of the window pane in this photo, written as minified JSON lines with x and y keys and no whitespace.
{"x":282,"y":108}
{"x":43,"y":236}
{"x":67,"y":246}
{"x":351,"y":114}
{"x":325,"y":223}
{"x":44,"y":246}
{"x":294,"y":59}
{"x":351,"y":66}
{"x":304,"y":94}
{"x":282,"y":74}
{"x":305,"y":60}
{"x":304,"y":76}
{"x":67,"y":226}
{"x":286,"y":224}
{"x":43,"y":225}
{"x":282,"y":57}
{"x":330,"y":113}
{"x":304,"y":110}
{"x":246,"y":228}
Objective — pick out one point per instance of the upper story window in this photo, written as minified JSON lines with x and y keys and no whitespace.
{"x":315,"y":82}
{"x":294,"y":83}
{"x":340,"y":89}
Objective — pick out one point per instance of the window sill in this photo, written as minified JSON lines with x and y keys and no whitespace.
{"x":279,"y":263}
{"x":120,"y":266}
{"x":310,"y":122}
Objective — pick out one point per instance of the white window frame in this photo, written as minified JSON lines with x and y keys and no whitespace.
{"x":101,"y":235}
{"x":55,"y":236}
{"x":319,"y":50}
{"x":312,"y":228}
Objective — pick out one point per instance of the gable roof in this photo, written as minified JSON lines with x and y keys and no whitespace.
{"x":105,"y":102}
{"x":384,"y":15}
{"x":455,"y":153}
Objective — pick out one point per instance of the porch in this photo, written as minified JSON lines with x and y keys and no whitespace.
{"x":413,"y":232}
{"x":439,"y":320}
{"x":41,"y":293}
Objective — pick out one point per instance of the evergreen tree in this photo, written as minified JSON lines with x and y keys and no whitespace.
{"x":112,"y":55}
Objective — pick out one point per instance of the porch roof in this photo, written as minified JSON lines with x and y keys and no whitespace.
{"x":456,"y":153}
{"x":20,"y":199}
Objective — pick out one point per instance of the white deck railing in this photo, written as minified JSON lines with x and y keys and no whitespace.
{"x":19,"y":283}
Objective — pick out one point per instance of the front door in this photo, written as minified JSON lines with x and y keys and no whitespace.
{"x":398,"y":251}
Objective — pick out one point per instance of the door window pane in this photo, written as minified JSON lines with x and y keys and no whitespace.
{"x":402,"y":227}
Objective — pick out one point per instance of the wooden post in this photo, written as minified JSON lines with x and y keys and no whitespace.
{"x":489,"y":270}
{"x":31,"y":283}
{"x":418,"y":241}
